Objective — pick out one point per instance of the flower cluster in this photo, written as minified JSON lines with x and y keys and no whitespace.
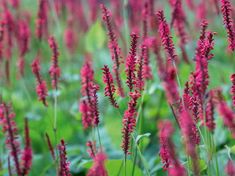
{"x":113,"y":47}
{"x":166,"y":37}
{"x":227,"y":114}
{"x":230,"y":168}
{"x":42,"y":20}
{"x":89,"y":103}
{"x":41,"y":87}
{"x":110,"y":88}
{"x":226,"y":9}
{"x":54,"y":69}
{"x":27,"y":154}
{"x":191,"y":137}
{"x":98,"y":167}
{"x":232,"y":90}
{"x":64,"y":169}
{"x":131,"y":63}
{"x":11,"y":132}
{"x":129,"y":121}
{"x":209,"y":116}
{"x":167,"y":151}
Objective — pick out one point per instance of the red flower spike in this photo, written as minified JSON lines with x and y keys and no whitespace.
{"x":42,"y":20}
{"x":227,"y":115}
{"x":129,"y":121}
{"x":110,"y":88}
{"x":170,"y":86}
{"x":89,"y":106}
{"x":201,"y":13}
{"x":230,"y":168}
{"x":131,"y":63}
{"x":91,"y":148}
{"x":202,"y":57}
{"x":187,"y":97}
{"x":10,"y":130}
{"x":216,"y":6}
{"x":64,"y":169}
{"x":41,"y":87}
{"x":85,"y":109}
{"x":70,"y":37}
{"x":179,"y":21}
{"x":191,"y":137}
{"x":114,"y":48}
{"x":209,"y":118}
{"x":232,"y":90}
{"x":27,"y":154}
{"x":226,"y":10}
{"x":167,"y":151}
{"x":166,"y":37}
{"x":50,"y":146}
{"x":98,"y":167}
{"x":140,"y":71}
{"x":54,"y":69}
{"x":190,"y":4}
{"x":197,"y":108}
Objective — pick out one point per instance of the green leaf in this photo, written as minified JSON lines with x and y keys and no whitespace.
{"x":232,"y":149}
{"x":113,"y":167}
{"x":95,"y":37}
{"x":202,"y":165}
{"x":139,"y":137}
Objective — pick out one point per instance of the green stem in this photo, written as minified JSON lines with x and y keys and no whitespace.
{"x":55,"y":127}
{"x":98,"y":133}
{"x":134,"y":164}
{"x":26,"y":90}
{"x":119,"y":171}
{"x":141,"y":157}
{"x":125,"y":164}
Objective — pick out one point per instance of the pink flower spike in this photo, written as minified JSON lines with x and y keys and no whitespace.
{"x":54,"y":69}
{"x":89,"y":103}
{"x":64,"y":169}
{"x":110,"y":88}
{"x":50,"y":146}
{"x":131,"y":63}
{"x":166,"y":37}
{"x":10,"y":130}
{"x":27,"y":154}
{"x":210,"y":106}
{"x":227,"y":115}
{"x":91,"y":148}
{"x":232,"y":90}
{"x":129,"y":121}
{"x":98,"y":167}
{"x":42,"y":20}
{"x":114,"y":48}
{"x":191,"y":137}
{"x":41,"y":87}
{"x":230,"y":168}
{"x":226,"y":10}
{"x":167,"y":151}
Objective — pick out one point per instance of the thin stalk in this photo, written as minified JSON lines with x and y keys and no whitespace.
{"x":26,"y":90}
{"x":119,"y":171}
{"x":215,"y":156}
{"x":141,"y":157}
{"x":188,"y":165}
{"x":125,"y":164}
{"x":125,"y":17}
{"x":98,"y":133}
{"x":55,"y":128}
{"x":52,"y":4}
{"x":134,"y":164}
